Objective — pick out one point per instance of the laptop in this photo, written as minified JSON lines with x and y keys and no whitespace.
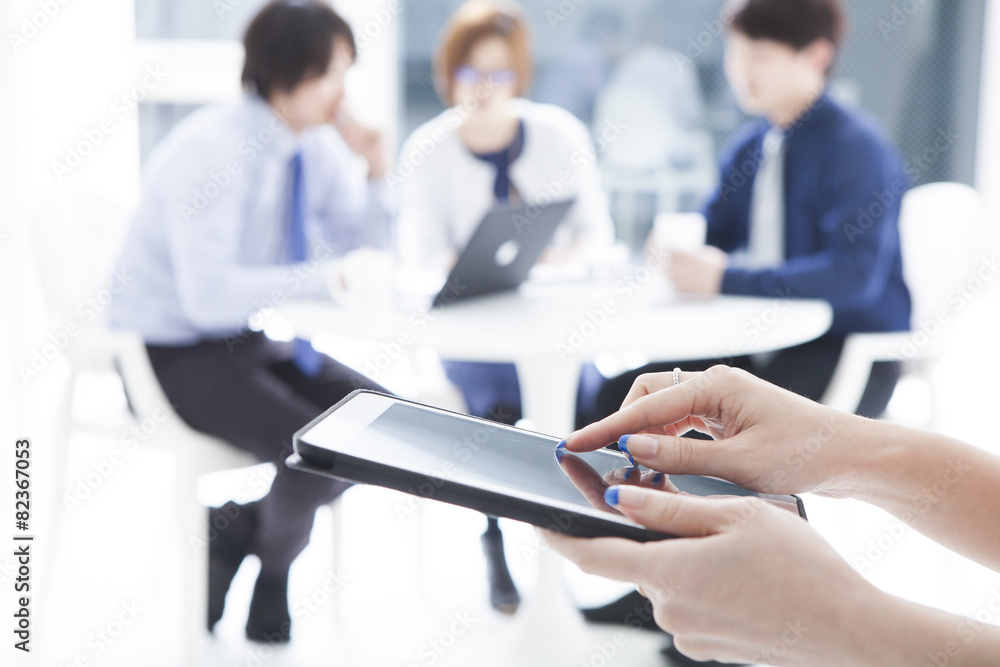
{"x":501,"y":252}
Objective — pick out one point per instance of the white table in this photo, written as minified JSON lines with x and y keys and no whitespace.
{"x":549,"y":331}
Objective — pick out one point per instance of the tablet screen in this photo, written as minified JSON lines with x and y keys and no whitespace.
{"x":437,"y":444}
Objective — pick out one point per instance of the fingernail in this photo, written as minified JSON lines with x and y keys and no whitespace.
{"x":657,"y":478}
{"x":560,"y":453}
{"x":628,"y":496}
{"x":628,"y":473}
{"x":624,"y":448}
{"x":642,"y":446}
{"x":561,"y":445}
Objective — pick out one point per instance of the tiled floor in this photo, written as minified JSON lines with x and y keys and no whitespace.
{"x":410,"y":590}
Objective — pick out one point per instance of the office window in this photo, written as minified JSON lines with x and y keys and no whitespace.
{"x":194,"y":19}
{"x":155,"y":121}
{"x":191,"y":23}
{"x":915,"y":66}
{"x":199,"y":43}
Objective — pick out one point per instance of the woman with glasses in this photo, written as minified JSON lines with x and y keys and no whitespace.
{"x":490,"y":147}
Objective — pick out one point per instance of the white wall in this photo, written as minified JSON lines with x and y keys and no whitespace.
{"x":373,"y":82}
{"x":55,"y":86}
{"x":71,"y":76}
{"x":10,"y":204}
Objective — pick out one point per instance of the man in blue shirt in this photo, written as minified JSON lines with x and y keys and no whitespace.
{"x":807,"y":206}
{"x":245,"y":206}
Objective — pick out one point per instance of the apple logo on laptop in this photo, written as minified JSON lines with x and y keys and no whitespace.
{"x":507,"y":253}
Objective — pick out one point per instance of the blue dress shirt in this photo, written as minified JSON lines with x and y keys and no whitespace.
{"x":843,"y":182}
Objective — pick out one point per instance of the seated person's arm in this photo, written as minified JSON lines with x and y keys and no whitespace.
{"x":218,"y":292}
{"x":853,"y":265}
{"x":356,"y":211}
{"x":420,"y":186}
{"x":856,"y":254}
{"x":725,"y":214}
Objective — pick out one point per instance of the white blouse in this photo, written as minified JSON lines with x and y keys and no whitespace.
{"x":444,"y":190}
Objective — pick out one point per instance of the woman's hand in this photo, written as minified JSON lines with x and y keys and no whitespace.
{"x":750,"y":583}
{"x":766,"y":439}
{"x":593,"y":485}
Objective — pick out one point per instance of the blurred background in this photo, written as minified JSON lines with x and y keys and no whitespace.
{"x":87,"y":89}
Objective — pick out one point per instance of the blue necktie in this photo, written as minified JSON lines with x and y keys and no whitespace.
{"x":304,"y":356}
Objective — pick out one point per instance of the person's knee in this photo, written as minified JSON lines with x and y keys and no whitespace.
{"x":304,"y":490}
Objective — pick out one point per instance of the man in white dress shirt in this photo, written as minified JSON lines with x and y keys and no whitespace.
{"x":244,"y":206}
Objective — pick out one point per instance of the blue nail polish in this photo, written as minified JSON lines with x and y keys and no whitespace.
{"x":560,"y":453}
{"x":611,"y":496}
{"x":657,"y":478}
{"x":628,"y":473}
{"x":561,"y":445}
{"x":624,"y":447}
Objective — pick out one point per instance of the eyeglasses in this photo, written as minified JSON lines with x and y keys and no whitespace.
{"x":471,"y":76}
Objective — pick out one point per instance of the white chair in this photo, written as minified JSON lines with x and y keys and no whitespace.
{"x":195,"y":455}
{"x":73,"y":266}
{"x":942,"y":233}
{"x":661,"y":146}
{"x":76,"y":237}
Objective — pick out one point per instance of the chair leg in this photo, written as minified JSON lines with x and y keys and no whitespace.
{"x":193,"y":529}
{"x":336,"y":559}
{"x":62,"y":429}
{"x":418,"y":519}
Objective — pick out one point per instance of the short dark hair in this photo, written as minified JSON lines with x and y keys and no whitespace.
{"x":797,"y":23}
{"x":290,"y":41}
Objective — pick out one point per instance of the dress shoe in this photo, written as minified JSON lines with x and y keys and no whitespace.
{"x":503,"y":593}
{"x":269,"y":620}
{"x":679,"y":659}
{"x":632,"y":610}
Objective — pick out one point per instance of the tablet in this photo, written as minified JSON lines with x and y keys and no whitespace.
{"x":499,"y":470}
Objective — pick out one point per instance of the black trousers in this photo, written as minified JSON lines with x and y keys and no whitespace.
{"x":805,"y":369}
{"x":246,"y":391}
